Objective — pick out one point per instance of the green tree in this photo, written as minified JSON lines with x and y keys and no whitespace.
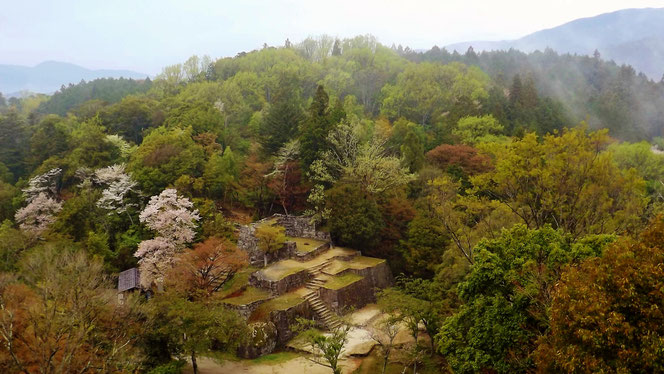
{"x":12,"y":243}
{"x":566,"y":180}
{"x":14,"y":142}
{"x":507,"y":297}
{"x":425,"y":244}
{"x":327,"y":348}
{"x":314,"y":131}
{"x":221,"y":172}
{"x":281,"y":124}
{"x":472,"y":130}
{"x":271,"y":239}
{"x":50,"y":139}
{"x":605,"y":313}
{"x":164,"y":156}
{"x":194,"y":328}
{"x":412,"y":152}
{"x":424,"y":92}
{"x":355,"y":219}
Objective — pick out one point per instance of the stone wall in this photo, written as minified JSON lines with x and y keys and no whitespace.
{"x":248,"y":242}
{"x":380,"y":276}
{"x":245,"y":310}
{"x":360,"y":293}
{"x":357,"y":295}
{"x":280,"y":287}
{"x":284,"y":319}
{"x":300,"y":227}
{"x":295,"y":226}
{"x":313,"y":254}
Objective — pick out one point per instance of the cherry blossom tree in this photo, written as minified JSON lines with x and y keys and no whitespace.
{"x":174,"y":221}
{"x":38,"y":215}
{"x":119,"y":186}
{"x":46,"y":183}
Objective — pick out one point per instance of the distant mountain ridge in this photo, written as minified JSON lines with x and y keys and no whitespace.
{"x":629,"y":36}
{"x":49,"y":76}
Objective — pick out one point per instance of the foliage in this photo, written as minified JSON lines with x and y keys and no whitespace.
{"x":202,"y":271}
{"x":193,"y":328}
{"x":327,"y":348}
{"x":567,"y":181}
{"x":506,"y":298}
{"x":163,"y":157}
{"x":65,"y":318}
{"x":38,"y":215}
{"x":473,"y":130}
{"x":355,"y":220}
{"x":171,"y":217}
{"x":605,"y":312}
{"x":271,"y":238}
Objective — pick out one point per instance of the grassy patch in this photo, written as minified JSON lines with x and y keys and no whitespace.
{"x":274,"y":358}
{"x":305,"y":245}
{"x":239,"y":280}
{"x":282,"y":269}
{"x":249,"y":295}
{"x":270,"y":222}
{"x":283,"y":302}
{"x":337,"y":267}
{"x":341,"y":281}
{"x":361,"y":262}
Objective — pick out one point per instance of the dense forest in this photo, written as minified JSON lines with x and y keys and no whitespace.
{"x":515,"y":196}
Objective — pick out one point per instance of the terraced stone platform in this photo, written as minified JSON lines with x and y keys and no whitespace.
{"x":316,"y":281}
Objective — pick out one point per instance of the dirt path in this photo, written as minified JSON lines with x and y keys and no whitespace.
{"x":298,"y":365}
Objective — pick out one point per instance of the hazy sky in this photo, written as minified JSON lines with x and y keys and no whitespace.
{"x":144,"y":35}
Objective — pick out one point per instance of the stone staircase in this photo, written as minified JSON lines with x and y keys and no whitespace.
{"x":318,"y":269}
{"x":326,"y":315}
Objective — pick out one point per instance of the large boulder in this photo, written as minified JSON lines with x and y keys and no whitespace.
{"x":262,"y":340}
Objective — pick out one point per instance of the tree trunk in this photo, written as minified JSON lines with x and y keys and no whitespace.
{"x":264,"y":260}
{"x":193,"y":361}
{"x":387,"y":357}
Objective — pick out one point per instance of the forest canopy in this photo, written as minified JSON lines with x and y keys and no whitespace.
{"x":517,"y":197}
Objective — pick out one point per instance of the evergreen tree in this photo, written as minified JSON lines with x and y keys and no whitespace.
{"x":336,"y":49}
{"x":13,"y":143}
{"x":313,"y":132}
{"x":281,"y":123}
{"x":412,"y":152}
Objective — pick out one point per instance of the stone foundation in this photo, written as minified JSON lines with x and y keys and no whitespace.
{"x":245,"y":310}
{"x":360,"y":293}
{"x":283,"y":285}
{"x":311,"y":255}
{"x":300,"y":227}
{"x":284,"y":319}
{"x":297,"y":227}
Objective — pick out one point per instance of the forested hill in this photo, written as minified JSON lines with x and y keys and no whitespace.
{"x":630,"y":36}
{"x":564,"y":89}
{"x":602,"y":93}
{"x":512,"y":229}
{"x":50,"y":76}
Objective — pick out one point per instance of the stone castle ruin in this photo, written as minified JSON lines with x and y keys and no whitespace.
{"x":308,"y":277}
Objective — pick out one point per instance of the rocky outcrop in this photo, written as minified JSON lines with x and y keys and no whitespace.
{"x":262,"y":340}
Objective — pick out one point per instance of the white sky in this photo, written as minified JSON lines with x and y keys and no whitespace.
{"x":145,"y":35}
